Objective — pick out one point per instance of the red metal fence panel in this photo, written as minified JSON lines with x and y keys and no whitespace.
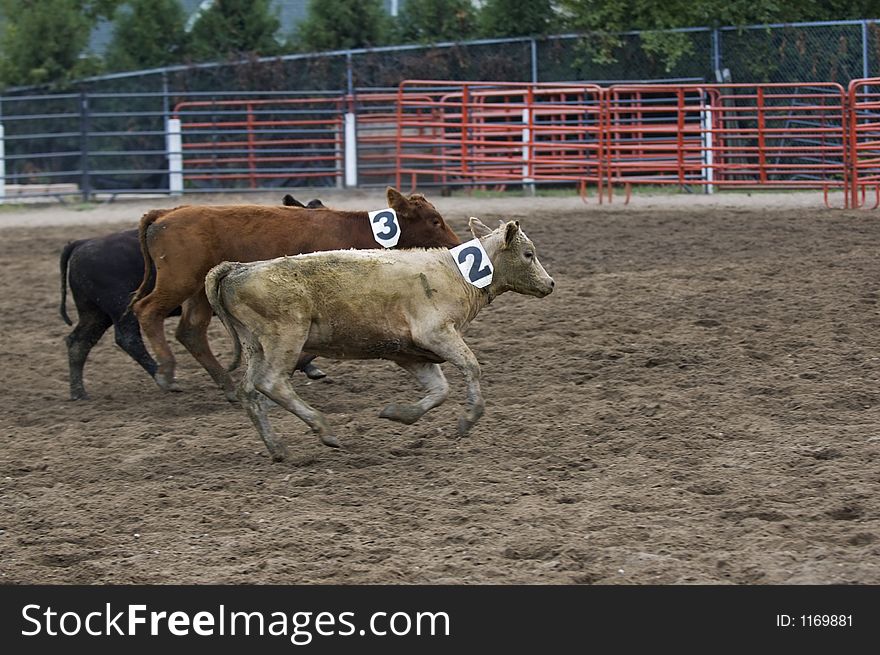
{"x":466,"y":133}
{"x":376,"y":117}
{"x":727,"y":135}
{"x":864,"y":141}
{"x":262,"y":139}
{"x":710,"y":136}
{"x":445,"y":133}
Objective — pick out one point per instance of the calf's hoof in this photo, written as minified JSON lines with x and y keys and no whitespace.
{"x":166,"y":383}
{"x":279,"y":453}
{"x":79,"y":394}
{"x":313,"y":372}
{"x":330,"y":440}
{"x":407,"y":414}
{"x":464,"y":426}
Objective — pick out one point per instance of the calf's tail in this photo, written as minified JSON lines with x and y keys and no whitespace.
{"x":65,"y":257}
{"x":213,"y":290}
{"x":149,"y":270}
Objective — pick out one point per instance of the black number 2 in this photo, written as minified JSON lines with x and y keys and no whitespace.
{"x":476,"y":257}
{"x":390,"y":225}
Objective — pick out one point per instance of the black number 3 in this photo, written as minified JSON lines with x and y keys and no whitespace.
{"x":476,"y":257}
{"x":390,"y":225}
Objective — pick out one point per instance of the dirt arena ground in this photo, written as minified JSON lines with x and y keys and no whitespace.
{"x":697,"y":402}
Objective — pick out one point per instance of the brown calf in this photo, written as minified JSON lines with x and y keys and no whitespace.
{"x":185,"y":243}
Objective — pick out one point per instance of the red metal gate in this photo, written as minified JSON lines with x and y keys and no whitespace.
{"x":444,"y":133}
{"x":864,"y":141}
{"x":261,"y":139}
{"x":466,"y":133}
{"x":784,"y":136}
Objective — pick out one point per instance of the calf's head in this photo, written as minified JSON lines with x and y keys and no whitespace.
{"x":515,"y":259}
{"x":421,"y":225}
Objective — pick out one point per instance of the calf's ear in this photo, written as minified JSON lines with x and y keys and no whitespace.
{"x":395,"y":199}
{"x":510,"y":232}
{"x":478,"y":228}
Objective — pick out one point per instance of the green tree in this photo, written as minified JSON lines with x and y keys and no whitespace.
{"x":342,"y":25}
{"x":622,"y":15}
{"x":503,"y":18}
{"x":148,"y":35}
{"x":437,"y":20}
{"x":603,"y":18}
{"x":44,"y":41}
{"x":235,"y":27}
{"x":837,"y":9}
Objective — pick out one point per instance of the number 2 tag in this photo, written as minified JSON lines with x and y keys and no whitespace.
{"x":473,"y":262}
{"x":386,"y":229}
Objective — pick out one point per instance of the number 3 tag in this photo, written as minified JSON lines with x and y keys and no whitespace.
{"x":386,"y":229}
{"x":473,"y":262}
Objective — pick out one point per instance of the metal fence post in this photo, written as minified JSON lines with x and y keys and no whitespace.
{"x":716,"y":54}
{"x":534,"y":55}
{"x":166,"y":102}
{"x":865,"y":66}
{"x":350,"y":162}
{"x":86,"y":182}
{"x":528,"y":133}
{"x":174,"y":146}
{"x":351,"y":170}
{"x":706,"y":138}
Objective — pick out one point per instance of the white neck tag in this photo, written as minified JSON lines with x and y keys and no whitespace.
{"x":473,"y":262}
{"x":386,"y":229}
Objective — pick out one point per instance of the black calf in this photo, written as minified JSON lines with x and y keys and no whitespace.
{"x":102,"y":273}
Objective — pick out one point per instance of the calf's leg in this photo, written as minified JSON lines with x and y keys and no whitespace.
{"x":256,"y":404}
{"x":268,"y":370}
{"x":91,"y":325}
{"x":448,"y":344}
{"x":128,"y":337}
{"x":431,"y":378}
{"x":151,"y":311}
{"x":192,"y":332}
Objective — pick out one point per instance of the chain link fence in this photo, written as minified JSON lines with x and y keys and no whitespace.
{"x":798,"y":52}
{"x":624,"y":57}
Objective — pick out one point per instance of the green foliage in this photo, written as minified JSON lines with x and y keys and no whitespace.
{"x":504,"y":18}
{"x":149,"y":34}
{"x":667,"y":47}
{"x":624,"y":15}
{"x":437,"y":20}
{"x":342,"y":25}
{"x":814,"y":10}
{"x":43,"y":41}
{"x":603,"y":18}
{"x":235,"y":28}
{"x":94,"y":9}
